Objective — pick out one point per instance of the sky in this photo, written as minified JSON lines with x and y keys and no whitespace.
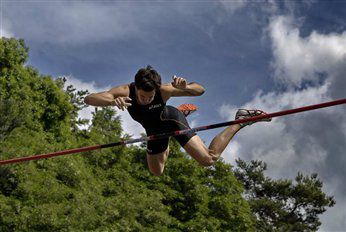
{"x":269,"y":55}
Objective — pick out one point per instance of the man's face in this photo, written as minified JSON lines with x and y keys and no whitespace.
{"x":144,"y":97}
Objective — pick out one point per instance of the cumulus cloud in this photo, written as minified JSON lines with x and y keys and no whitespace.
{"x":5,"y":26}
{"x":5,"y":34}
{"x":273,"y":142}
{"x":300,"y":59}
{"x":312,"y":70}
{"x":130,"y":126}
{"x":76,"y":22}
{"x":86,"y":22}
{"x":232,"y":6}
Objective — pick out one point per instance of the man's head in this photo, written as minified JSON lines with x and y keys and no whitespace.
{"x":147,"y":81}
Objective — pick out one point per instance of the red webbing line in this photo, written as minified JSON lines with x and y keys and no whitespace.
{"x":306,"y":108}
{"x":48,"y":155}
{"x":90,"y":148}
{"x":273,"y":115}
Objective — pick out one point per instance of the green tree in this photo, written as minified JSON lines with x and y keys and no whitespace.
{"x":283,"y":205}
{"x":28,"y":99}
{"x":103,"y":190}
{"x":12,"y":53}
{"x":77,"y":100}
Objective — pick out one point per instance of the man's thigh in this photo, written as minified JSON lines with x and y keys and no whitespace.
{"x":156,"y":162}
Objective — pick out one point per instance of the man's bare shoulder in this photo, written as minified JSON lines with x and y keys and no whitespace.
{"x":121,"y":90}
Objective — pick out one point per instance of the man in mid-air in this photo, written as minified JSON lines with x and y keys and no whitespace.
{"x":146,"y":98}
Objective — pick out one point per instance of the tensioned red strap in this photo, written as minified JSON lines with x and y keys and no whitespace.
{"x":165,"y":135}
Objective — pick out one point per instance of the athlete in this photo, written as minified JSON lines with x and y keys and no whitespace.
{"x":146,"y":98}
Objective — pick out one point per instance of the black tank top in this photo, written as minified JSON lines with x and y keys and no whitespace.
{"x":147,"y":115}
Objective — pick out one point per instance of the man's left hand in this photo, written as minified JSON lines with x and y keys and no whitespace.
{"x":179,"y":82}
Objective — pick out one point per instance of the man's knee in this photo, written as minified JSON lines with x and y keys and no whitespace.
{"x":206,"y":162}
{"x":209,"y":159}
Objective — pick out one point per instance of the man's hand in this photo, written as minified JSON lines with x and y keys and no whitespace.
{"x":179,"y":82}
{"x":122,"y":102}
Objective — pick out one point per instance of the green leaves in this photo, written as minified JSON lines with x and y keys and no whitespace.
{"x":283,"y":205}
{"x":111,"y":189}
{"x":12,"y":52}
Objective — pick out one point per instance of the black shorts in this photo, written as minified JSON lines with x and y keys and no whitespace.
{"x":171,"y":120}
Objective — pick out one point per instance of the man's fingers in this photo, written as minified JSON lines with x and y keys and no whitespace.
{"x":126,"y":101}
{"x":119,"y":103}
{"x":180,"y":81}
{"x":176,"y":80}
{"x":122,"y":102}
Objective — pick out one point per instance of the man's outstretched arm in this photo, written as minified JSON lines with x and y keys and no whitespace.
{"x":117,"y":96}
{"x":179,"y":88}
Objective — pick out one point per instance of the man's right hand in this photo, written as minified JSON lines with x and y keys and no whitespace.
{"x":122,"y":102}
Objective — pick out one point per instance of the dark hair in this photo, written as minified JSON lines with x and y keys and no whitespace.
{"x":147,"y":79}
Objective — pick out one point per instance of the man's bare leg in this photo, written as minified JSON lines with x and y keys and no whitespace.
{"x":220,"y":142}
{"x":208,"y":156}
{"x":156,"y":162}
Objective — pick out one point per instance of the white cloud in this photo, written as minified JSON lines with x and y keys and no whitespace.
{"x":88,"y":22}
{"x":335,"y":218}
{"x":130,"y":126}
{"x":298,"y":59}
{"x":5,"y":33}
{"x":6,"y":29}
{"x":232,"y":6}
{"x":272,"y":142}
{"x":231,"y":153}
{"x":78,"y":22}
{"x":193,"y":120}
{"x":309,"y":142}
{"x":289,"y":150}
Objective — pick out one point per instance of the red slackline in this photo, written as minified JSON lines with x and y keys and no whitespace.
{"x":174,"y":133}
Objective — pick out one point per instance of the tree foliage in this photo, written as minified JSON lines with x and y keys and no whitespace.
{"x":109,"y":189}
{"x":283,"y":205}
